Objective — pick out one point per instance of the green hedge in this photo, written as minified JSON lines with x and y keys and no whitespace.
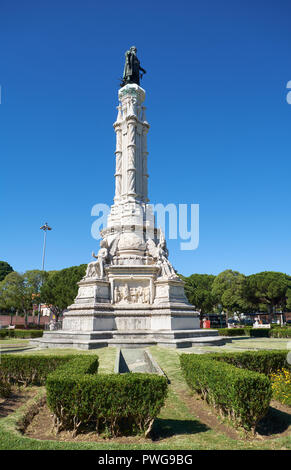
{"x":7,"y":333}
{"x":231,"y":331}
{"x":5,"y":389}
{"x":264,"y":362}
{"x":259,"y":332}
{"x":29,"y":369}
{"x":280,"y":333}
{"x":242,"y":395}
{"x":117,"y":404}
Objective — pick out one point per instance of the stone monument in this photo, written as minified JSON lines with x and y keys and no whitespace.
{"x":130,"y":295}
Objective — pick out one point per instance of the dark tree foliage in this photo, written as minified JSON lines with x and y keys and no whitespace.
{"x":269,"y":289}
{"x":61,"y":288}
{"x":198,"y":289}
{"x":5,"y":269}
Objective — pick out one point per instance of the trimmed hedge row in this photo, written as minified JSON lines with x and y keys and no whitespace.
{"x":264,"y":362}
{"x":280,"y":333}
{"x":231,"y":331}
{"x":117,"y":404}
{"x":5,"y":389}
{"x":29,"y":369}
{"x":242,"y":395}
{"x":7,"y":333}
{"x":256,"y":332}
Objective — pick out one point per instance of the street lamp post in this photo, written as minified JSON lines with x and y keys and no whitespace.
{"x":45,"y":228}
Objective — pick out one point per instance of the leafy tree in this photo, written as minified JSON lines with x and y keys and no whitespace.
{"x":5,"y":269}
{"x":12,"y":296}
{"x":33,"y":280}
{"x":198,"y":288}
{"x":18,"y":292}
{"x":268,"y":289}
{"x":60,"y":288}
{"x":288,"y":299}
{"x":229,"y":289}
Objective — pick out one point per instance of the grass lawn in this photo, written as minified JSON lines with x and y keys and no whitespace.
{"x":181,"y":423}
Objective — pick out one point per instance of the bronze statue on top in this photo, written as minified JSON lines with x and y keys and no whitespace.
{"x":132,"y":68}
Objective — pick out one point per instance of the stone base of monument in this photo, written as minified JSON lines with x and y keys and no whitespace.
{"x":125,"y":339}
{"x":130,"y":311}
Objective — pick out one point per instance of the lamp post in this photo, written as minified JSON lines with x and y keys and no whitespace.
{"x":45,"y":228}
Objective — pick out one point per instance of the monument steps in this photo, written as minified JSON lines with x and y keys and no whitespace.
{"x":129,"y":339}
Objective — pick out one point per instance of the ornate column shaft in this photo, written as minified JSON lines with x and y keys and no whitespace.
{"x":131,"y":155}
{"x":118,"y":155}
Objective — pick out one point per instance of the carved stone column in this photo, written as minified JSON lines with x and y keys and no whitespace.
{"x":145,"y":163}
{"x":118,"y":155}
{"x":131,"y":151}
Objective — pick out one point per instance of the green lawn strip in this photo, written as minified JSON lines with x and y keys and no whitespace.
{"x":11,"y":341}
{"x":244,"y":344}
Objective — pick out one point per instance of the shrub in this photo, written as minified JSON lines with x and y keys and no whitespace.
{"x":280,"y":333}
{"x":264,"y":362}
{"x":5,"y":389}
{"x":27,"y":333}
{"x":259,"y":332}
{"x":6,"y":333}
{"x":120,"y":404}
{"x":242,"y":395}
{"x":231,"y":332}
{"x":281,"y":386}
{"x":29,"y":369}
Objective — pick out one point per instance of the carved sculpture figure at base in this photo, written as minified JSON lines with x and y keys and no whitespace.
{"x":101,"y":257}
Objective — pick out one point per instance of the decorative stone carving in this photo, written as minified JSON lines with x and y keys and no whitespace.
{"x":131,"y":295}
{"x":160,"y":254}
{"x":131,"y":241}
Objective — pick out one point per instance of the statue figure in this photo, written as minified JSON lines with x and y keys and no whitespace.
{"x":101,"y":257}
{"x":160,"y":254}
{"x":132,"y":68}
{"x":92,"y":270}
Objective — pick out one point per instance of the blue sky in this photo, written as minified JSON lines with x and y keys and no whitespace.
{"x":216,"y":103}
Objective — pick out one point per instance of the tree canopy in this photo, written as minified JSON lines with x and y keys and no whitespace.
{"x":229,"y":288}
{"x":268,"y":289}
{"x":60,"y":288}
{"x":5,"y":269}
{"x":19,"y":292}
{"x":198,"y":289}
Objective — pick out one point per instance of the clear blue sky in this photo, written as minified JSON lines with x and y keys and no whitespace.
{"x":220,"y":124}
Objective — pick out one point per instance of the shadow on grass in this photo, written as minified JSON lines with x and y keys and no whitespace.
{"x":164,"y":428}
{"x":275,"y":422}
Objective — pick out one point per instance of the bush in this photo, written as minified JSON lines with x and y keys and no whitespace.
{"x":5,"y":389}
{"x":264,"y":362}
{"x":281,"y":333}
{"x":119,"y":404}
{"x":281,"y":386}
{"x":242,"y":395}
{"x":231,"y":332}
{"x":29,"y":369}
{"x":7,"y":333}
{"x":260,"y":332}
